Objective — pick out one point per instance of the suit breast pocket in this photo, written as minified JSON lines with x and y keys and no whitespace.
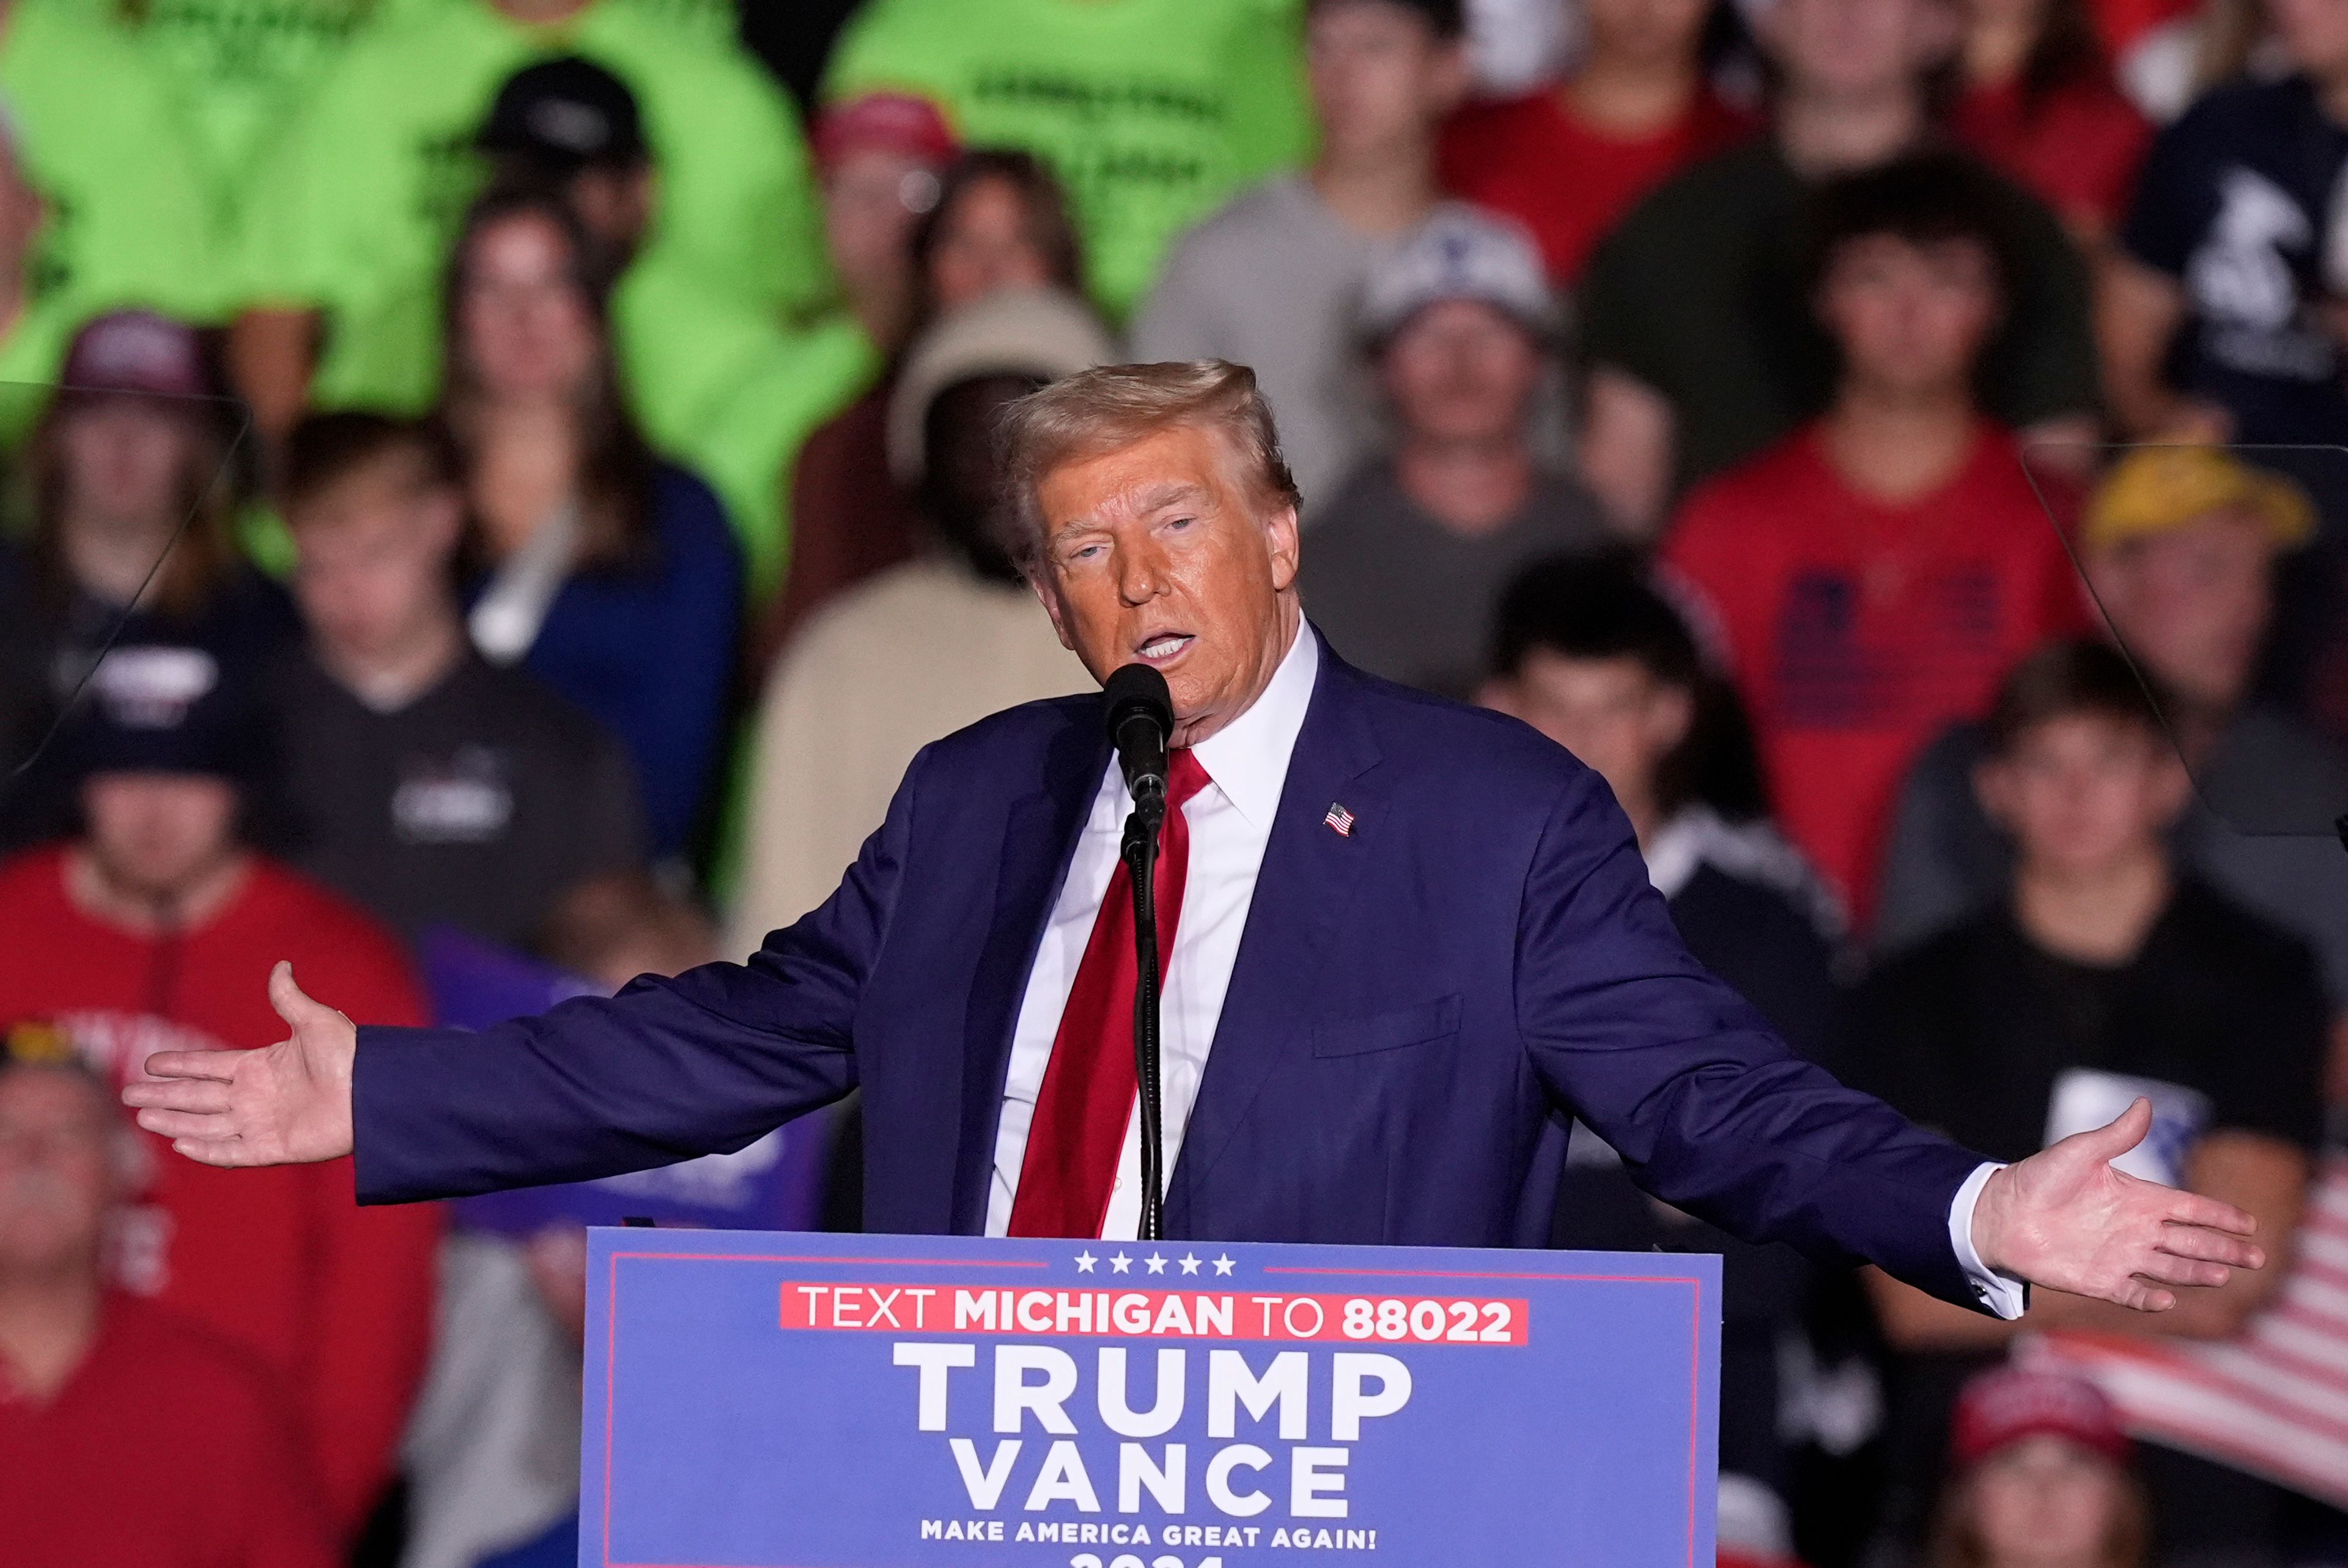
{"x":1421,"y":1025}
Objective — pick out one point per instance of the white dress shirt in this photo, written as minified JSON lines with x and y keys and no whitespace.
{"x":1231,"y":823}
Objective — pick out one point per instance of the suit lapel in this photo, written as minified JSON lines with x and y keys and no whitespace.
{"x":1303,"y":894}
{"x":1038,"y":840}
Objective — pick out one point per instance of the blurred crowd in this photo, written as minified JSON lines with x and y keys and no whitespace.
{"x":493,"y":494}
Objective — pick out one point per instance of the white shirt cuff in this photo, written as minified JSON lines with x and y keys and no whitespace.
{"x":2002,"y":1294}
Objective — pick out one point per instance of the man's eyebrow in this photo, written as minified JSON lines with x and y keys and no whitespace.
{"x":1166,"y":493}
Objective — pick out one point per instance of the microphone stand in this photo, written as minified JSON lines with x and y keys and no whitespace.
{"x":1140,"y":855}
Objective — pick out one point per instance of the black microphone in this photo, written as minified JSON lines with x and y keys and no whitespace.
{"x":1138,"y":712}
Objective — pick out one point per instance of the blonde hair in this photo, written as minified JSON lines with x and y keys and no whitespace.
{"x":1114,"y":406}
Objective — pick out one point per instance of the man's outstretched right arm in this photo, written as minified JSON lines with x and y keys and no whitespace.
{"x":669,"y":1069}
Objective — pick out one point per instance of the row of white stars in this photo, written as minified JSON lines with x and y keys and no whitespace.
{"x":1122,"y":1263}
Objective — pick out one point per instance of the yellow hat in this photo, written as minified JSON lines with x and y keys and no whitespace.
{"x":38,"y":1043}
{"x":2152,"y":490}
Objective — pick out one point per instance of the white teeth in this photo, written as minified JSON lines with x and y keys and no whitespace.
{"x":1162,"y":647}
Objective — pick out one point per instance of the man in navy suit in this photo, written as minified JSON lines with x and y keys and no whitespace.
{"x":1408,"y":941}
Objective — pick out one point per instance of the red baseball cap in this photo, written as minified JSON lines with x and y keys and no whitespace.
{"x":895,"y":122}
{"x":2003,"y":1407}
{"x":138,"y":352}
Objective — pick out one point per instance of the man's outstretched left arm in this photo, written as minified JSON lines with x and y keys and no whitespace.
{"x":1712,"y":1113}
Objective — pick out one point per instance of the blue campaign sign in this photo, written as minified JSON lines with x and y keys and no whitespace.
{"x":782,"y":1400}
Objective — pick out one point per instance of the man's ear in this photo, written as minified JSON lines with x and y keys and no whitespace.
{"x":1499,"y":694}
{"x":1284,"y":539}
{"x":1047,"y":594}
{"x":640,"y":194}
{"x":1669,"y":716}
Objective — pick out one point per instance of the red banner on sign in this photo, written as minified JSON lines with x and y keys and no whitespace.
{"x":1158,"y":1314}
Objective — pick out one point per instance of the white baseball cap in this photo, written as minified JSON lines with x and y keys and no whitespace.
{"x":1460,"y":253}
{"x":1048,"y":332}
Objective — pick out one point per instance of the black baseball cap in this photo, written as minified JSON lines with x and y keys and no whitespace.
{"x":165,"y":708}
{"x":564,"y":115}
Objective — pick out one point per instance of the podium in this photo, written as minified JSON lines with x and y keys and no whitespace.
{"x":782,"y":1400}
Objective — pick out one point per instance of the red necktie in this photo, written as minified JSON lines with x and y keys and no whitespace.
{"x":1079,"y":1131}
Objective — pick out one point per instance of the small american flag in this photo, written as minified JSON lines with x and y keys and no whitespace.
{"x":2273,"y":1399}
{"x":1342,"y":820}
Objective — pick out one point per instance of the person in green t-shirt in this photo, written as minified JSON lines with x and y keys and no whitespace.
{"x":1151,"y":111}
{"x":125,"y":222}
{"x":797,"y":379}
{"x":235,"y":71}
{"x":34,"y":326}
{"x":348,"y":229}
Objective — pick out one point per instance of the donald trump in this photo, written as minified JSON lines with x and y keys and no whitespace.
{"x":1406,"y":943}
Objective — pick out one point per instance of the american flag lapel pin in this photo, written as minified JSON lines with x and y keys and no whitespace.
{"x":1340,"y":821}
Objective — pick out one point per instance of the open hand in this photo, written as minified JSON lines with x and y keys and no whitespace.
{"x":2064,"y":1219}
{"x":288,"y":1104}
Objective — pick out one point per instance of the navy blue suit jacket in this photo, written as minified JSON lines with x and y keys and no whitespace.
{"x":1418,"y":1010}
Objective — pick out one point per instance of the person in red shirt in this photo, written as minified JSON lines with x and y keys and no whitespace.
{"x":996,"y":220}
{"x":2039,"y":102}
{"x":1873,"y":577}
{"x":1568,"y":160}
{"x":157,"y":929}
{"x":96,"y":1386}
